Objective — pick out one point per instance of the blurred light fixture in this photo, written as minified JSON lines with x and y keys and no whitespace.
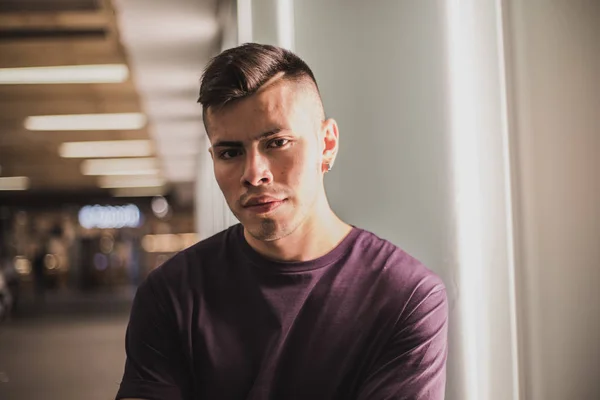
{"x":107,"y":73}
{"x":100,"y":261}
{"x":160,"y":206}
{"x":110,"y":217}
{"x":168,"y":243}
{"x":120,"y":166}
{"x":109,"y":148}
{"x":22,"y":265}
{"x":189,"y":239}
{"x":107,"y":243}
{"x":14,"y":183}
{"x":51,"y":262}
{"x":86,"y":122}
{"x":123,"y":181}
{"x":138,"y":192}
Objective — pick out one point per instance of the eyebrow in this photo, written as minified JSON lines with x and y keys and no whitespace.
{"x":265,"y":135}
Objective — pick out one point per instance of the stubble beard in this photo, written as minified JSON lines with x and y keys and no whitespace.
{"x":270,"y":229}
{"x":267,"y":231}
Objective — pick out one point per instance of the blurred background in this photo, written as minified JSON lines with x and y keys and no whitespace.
{"x":470,"y":136}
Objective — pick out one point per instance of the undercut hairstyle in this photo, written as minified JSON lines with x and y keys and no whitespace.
{"x":239,"y":72}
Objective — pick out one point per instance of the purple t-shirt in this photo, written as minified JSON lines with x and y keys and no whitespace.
{"x":220,"y":321}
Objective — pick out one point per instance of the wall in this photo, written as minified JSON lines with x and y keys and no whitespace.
{"x":555,"y":52}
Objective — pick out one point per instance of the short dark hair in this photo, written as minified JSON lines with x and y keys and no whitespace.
{"x":239,"y":72}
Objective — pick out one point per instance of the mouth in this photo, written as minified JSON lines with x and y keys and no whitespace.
{"x":264,"y":206}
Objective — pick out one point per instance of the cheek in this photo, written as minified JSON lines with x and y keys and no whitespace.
{"x":299,"y":169}
{"x":290,"y":167}
{"x":226,"y":180}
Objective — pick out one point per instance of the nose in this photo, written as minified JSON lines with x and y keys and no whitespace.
{"x":257,"y":171}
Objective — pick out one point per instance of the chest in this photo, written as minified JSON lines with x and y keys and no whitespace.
{"x":313,"y":342}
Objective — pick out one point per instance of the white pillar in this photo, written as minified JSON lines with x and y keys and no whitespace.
{"x":481,"y":162}
{"x":245,"y":25}
{"x":212,"y":212}
{"x":273,"y":22}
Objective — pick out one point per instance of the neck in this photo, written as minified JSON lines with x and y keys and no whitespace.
{"x":315,"y":237}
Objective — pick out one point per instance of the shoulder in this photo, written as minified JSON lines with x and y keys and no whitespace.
{"x":403,"y":277}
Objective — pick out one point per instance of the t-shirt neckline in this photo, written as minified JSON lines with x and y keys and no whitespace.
{"x":275,"y":266}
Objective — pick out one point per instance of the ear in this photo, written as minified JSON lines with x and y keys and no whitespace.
{"x":331,"y":139}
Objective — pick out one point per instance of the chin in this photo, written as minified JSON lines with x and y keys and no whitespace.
{"x":267,"y":229}
{"x":264,"y":229}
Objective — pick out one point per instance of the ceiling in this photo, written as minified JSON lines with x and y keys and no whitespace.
{"x":165,"y":45}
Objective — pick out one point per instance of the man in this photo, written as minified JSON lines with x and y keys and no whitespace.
{"x":293,"y":303}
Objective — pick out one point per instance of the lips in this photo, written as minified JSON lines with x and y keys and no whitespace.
{"x":263,"y":204}
{"x":259,"y":201}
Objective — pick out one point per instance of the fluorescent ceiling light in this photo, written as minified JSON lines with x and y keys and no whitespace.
{"x":108,"y":73}
{"x":14,"y":183}
{"x":108,"y":148}
{"x":86,"y":122}
{"x":120,"y":166}
{"x":138,"y":192}
{"x":168,"y":242}
{"x":111,"y":182}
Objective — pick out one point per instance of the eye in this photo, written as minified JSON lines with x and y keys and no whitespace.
{"x":277,"y":143}
{"x":229,"y":154}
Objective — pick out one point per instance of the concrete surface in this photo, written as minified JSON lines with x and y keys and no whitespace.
{"x":72,"y":348}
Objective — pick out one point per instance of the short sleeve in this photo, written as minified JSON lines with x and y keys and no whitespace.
{"x":155,"y":365}
{"x":413,"y":364}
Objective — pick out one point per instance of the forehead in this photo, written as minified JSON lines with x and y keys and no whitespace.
{"x":281,"y":104}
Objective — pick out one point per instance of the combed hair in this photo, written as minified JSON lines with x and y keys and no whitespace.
{"x":239,"y":72}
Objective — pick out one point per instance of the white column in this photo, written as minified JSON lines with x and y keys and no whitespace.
{"x":273,"y":22}
{"x":481,"y":162}
{"x":212,"y":212}
{"x":245,"y":24}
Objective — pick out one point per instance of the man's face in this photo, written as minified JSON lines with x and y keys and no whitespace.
{"x":267,"y":151}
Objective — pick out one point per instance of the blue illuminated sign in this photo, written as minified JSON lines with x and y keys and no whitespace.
{"x":110,"y":217}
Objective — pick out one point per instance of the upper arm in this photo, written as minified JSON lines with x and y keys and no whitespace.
{"x":155,"y":365}
{"x":413,"y":364}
